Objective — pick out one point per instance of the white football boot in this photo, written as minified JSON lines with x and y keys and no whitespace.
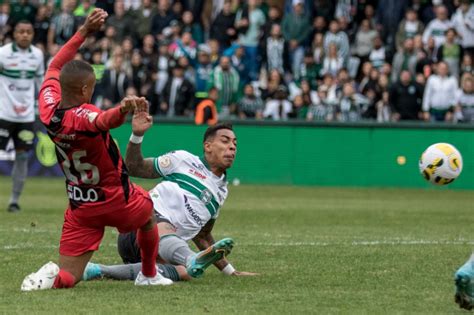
{"x":42,"y":279}
{"x":156,"y":280}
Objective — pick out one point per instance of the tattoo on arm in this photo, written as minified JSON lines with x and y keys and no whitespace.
{"x":137,"y":165}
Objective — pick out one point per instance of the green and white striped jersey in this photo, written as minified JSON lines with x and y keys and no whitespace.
{"x":190,"y":194}
{"x":19,"y":71}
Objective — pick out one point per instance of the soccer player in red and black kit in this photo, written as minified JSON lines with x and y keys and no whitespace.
{"x":99,"y":191}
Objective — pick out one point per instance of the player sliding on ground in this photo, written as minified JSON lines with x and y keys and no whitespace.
{"x":100,"y":193}
{"x":186,"y":202}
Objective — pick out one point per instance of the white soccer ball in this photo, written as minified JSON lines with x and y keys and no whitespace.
{"x":441,"y":163}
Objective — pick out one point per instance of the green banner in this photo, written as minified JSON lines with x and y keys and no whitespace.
{"x":326,"y":155}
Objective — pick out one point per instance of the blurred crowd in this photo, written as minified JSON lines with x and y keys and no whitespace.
{"x":314,"y":60}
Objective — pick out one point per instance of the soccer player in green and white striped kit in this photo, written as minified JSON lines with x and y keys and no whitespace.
{"x":21,"y":67}
{"x":186,"y":202}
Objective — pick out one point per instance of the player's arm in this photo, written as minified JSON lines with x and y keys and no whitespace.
{"x":204,"y":239}
{"x":136,"y":164}
{"x":93,"y":23}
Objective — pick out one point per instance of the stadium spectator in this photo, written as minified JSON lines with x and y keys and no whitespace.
{"x":383,"y":108}
{"x":377,"y":56}
{"x":409,"y":27}
{"x":222,"y":28}
{"x":309,"y":70}
{"x":177,"y":97}
{"x":296,"y":28}
{"x":332,"y":62}
{"x":206,"y":110}
{"x":300,"y":107}
{"x":463,"y":22}
{"x":142,"y":18}
{"x":139,"y":77}
{"x":162,"y":19}
{"x":184,"y":46}
{"x":405,"y":98}
{"x":404,"y":59}
{"x":351,"y":104}
{"x":62,"y":25}
{"x":122,"y":22}
{"x":318,"y":48}
{"x":389,"y":14}
{"x":439,"y":96}
{"x":250,"y":105}
{"x":22,"y":69}
{"x":241,"y":62}
{"x":112,"y":199}
{"x":226,"y":80}
{"x":4,"y":19}
{"x":275,"y":80}
{"x":437,"y":27}
{"x":339,"y":38}
{"x":320,"y":110}
{"x":115,"y":81}
{"x":278,"y":107}
{"x":451,"y":52}
{"x":41,"y":26}
{"x":249,"y":21}
{"x":467,"y":65}
{"x":192,"y":27}
{"x":274,"y":17}
{"x":364,"y":40}
{"x":464,"y":110}
{"x":275,"y":50}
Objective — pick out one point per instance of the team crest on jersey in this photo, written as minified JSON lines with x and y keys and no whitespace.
{"x":92,"y":116}
{"x":164,"y":161}
{"x":206,"y":196}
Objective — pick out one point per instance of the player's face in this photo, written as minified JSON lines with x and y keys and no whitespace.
{"x":23,"y":35}
{"x":223,"y":148}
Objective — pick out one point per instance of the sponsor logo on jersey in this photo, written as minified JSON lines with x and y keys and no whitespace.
{"x":197,"y":174}
{"x":192,"y":213}
{"x":20,"y":109}
{"x":83,"y":194}
{"x":220,"y":197}
{"x":206,"y":196}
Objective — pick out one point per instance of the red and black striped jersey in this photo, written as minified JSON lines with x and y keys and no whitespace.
{"x":96,"y":175}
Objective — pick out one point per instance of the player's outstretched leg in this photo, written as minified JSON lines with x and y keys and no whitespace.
{"x":42,"y":279}
{"x":200,"y":261}
{"x":464,"y":282}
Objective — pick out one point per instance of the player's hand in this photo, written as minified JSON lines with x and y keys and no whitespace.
{"x":142,"y":105}
{"x":129,"y":104}
{"x":141,"y":122}
{"x":93,"y":22}
{"x":244,"y":274}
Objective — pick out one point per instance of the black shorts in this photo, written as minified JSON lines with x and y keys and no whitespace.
{"x":21,"y":133}
{"x":128,"y":247}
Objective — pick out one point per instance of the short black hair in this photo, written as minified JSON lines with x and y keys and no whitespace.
{"x":23,"y":21}
{"x":212,"y":130}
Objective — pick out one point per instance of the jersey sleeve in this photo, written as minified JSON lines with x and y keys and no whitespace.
{"x":90,"y":118}
{"x":48,"y":99}
{"x":166,"y":164}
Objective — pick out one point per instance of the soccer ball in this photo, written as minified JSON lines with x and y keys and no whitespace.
{"x":440,"y":164}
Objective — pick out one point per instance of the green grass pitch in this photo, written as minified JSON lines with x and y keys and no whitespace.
{"x":319,"y":250}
